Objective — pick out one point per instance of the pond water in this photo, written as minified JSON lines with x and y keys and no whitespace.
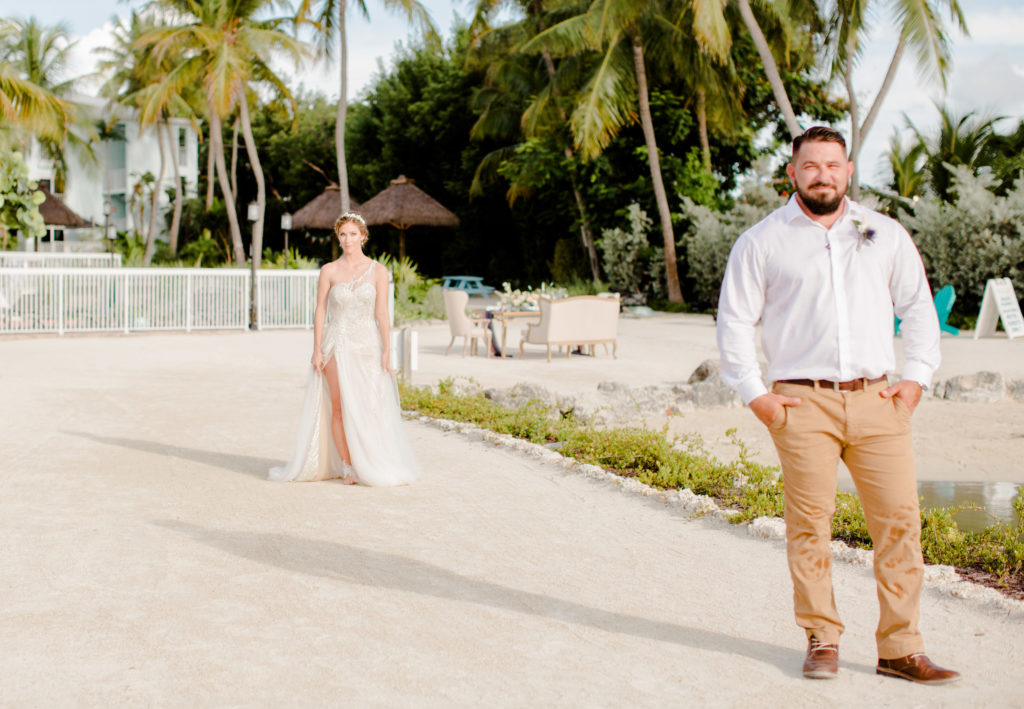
{"x":996,"y":498}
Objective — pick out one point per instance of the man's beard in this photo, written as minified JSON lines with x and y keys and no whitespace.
{"x":820,"y":204}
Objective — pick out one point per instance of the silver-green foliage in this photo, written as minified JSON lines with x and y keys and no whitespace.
{"x":625,"y":255}
{"x":19,"y":198}
{"x":977,"y":236}
{"x":712,"y":233}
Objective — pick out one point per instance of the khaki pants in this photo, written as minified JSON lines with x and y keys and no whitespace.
{"x":871,"y":435}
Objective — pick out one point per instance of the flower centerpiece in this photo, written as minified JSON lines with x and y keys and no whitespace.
{"x":515,"y":299}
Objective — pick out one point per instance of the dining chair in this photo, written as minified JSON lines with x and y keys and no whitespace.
{"x":461,"y":325}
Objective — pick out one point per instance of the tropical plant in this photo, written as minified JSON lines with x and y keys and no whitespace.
{"x":789,"y":22}
{"x":616,"y":93}
{"x":711,"y":233}
{"x":34,"y":86}
{"x":328,"y":17}
{"x":627,"y":252}
{"x":920,"y":30}
{"x":971,"y":236}
{"x":961,"y":140}
{"x":134,"y":80}
{"x":19,"y":198}
{"x":510,"y":83}
{"x":224,"y":48}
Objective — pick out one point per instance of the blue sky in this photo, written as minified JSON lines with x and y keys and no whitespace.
{"x":987,"y":76}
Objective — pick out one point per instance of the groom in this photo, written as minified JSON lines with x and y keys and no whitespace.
{"x":823,"y":276}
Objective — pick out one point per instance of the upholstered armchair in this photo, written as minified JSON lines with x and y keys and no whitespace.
{"x":462,"y":325}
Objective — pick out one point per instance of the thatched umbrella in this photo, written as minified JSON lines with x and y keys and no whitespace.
{"x":322,"y":211}
{"x":402,"y":205}
{"x":57,"y":215}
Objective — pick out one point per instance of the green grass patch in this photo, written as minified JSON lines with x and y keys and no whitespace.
{"x":749,"y":489}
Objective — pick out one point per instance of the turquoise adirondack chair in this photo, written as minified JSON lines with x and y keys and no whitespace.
{"x":944,"y":300}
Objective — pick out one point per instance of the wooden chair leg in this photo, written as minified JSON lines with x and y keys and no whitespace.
{"x":449,"y":346}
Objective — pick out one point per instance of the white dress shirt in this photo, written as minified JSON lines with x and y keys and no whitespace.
{"x":825,"y":299}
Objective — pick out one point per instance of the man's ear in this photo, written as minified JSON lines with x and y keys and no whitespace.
{"x":791,"y":172}
{"x":849,"y":173}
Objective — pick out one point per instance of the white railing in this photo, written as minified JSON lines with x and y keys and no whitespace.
{"x":59,"y":300}
{"x":32,"y":259}
{"x":286,"y":298}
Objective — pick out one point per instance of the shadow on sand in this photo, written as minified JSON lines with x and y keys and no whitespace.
{"x":378,"y":569}
{"x":248,"y":464}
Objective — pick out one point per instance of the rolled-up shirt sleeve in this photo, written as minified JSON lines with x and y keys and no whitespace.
{"x":913,"y":304}
{"x":740,"y":306}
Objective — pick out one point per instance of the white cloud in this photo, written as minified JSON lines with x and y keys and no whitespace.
{"x":84,"y":61}
{"x":1003,"y":26}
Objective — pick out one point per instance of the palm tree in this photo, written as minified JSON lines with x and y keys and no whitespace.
{"x":907,"y":167}
{"x":961,"y":140}
{"x":39,"y":55}
{"x":30,"y":108}
{"x":921,"y":30}
{"x":329,"y":20}
{"x":222,"y":47}
{"x":131,"y":71}
{"x":500,"y":58}
{"x":627,"y":33}
{"x":711,"y":27}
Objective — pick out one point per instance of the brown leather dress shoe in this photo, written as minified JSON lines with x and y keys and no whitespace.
{"x":916,"y":668}
{"x":822,"y":661}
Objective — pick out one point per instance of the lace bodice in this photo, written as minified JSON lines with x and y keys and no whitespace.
{"x":351,"y":318}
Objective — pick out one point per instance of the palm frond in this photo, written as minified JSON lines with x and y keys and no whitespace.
{"x":607,"y":102}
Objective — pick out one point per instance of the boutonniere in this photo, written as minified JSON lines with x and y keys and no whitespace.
{"x":867,"y":233}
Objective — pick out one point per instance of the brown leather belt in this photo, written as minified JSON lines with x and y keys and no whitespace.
{"x":852,"y":385}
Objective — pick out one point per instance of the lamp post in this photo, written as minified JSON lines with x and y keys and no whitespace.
{"x":286,"y":226}
{"x":108,"y":209}
{"x":253,"y":214}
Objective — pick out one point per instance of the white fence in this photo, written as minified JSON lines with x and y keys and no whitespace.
{"x":31,"y":259}
{"x":59,"y":300}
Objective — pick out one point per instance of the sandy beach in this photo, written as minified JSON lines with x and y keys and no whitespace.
{"x":148,"y":562}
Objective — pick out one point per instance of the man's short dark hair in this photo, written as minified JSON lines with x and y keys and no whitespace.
{"x":820,"y":134}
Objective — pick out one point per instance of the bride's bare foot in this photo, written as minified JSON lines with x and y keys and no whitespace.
{"x":350,"y":477}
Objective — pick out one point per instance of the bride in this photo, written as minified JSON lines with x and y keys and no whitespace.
{"x":351,"y":422}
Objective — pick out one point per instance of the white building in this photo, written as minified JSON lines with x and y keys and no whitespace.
{"x":114,"y":170}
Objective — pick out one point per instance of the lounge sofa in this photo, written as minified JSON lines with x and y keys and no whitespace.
{"x":583,"y":320}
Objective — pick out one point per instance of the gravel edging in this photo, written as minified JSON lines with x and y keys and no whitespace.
{"x":941,"y":579}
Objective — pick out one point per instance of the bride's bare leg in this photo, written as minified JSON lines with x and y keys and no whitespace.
{"x":337,"y":423}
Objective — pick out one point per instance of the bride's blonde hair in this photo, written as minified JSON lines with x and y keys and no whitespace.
{"x":354,"y":218}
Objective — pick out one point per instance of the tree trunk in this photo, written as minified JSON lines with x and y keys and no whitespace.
{"x":675,"y":293}
{"x":770,"y":68}
{"x":860,"y":134}
{"x":339,"y":128}
{"x":702,"y":129}
{"x":154,"y":200}
{"x":261,"y":200}
{"x":234,"y":161}
{"x":854,"y":112}
{"x":179,"y":198}
{"x":210,"y":169}
{"x":585,"y":235}
{"x":216,"y":145}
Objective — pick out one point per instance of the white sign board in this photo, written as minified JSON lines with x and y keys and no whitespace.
{"x":999,"y":303}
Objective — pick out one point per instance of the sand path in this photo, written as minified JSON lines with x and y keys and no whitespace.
{"x":147,"y":562}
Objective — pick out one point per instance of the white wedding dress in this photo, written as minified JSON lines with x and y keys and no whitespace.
{"x":371,"y":413}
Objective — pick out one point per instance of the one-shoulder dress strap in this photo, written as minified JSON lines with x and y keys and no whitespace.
{"x":365,"y":273}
